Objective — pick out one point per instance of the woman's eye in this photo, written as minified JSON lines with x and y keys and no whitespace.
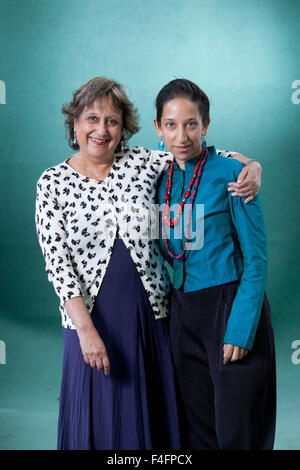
{"x":111,"y":122}
{"x":92,"y":118}
{"x":192,"y":124}
{"x":170,"y":124}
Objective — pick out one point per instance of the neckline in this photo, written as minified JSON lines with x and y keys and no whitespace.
{"x":192,"y":162}
{"x":85,"y":176}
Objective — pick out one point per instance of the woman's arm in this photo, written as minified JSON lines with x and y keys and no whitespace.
{"x":246,"y":308}
{"x":52,"y":237}
{"x":92,"y":346}
{"x":249,"y":180}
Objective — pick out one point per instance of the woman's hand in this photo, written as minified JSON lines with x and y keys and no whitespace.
{"x":92,"y":346}
{"x":233,"y":353}
{"x":248,"y":182}
{"x":93,"y":349}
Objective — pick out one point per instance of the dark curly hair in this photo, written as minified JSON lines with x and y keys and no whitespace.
{"x":86,"y":95}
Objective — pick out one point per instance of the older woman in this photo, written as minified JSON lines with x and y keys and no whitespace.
{"x":110,"y":280}
{"x":220,"y":324}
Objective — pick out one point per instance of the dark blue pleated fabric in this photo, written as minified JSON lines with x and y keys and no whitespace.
{"x":135,"y":406}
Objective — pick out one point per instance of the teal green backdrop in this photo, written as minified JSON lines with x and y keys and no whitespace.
{"x":244,"y":54}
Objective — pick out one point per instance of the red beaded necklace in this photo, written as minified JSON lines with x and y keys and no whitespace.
{"x":193,"y":188}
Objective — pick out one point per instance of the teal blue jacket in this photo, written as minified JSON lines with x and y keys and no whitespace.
{"x":229,"y":242}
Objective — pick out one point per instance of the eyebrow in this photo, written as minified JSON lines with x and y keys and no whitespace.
{"x":96,"y":112}
{"x":188,"y":119}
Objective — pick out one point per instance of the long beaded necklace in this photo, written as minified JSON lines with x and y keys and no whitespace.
{"x":193,"y":188}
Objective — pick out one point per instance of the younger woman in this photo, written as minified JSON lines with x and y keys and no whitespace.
{"x":220,"y":325}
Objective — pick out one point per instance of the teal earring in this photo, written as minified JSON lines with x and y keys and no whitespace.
{"x":161,"y":144}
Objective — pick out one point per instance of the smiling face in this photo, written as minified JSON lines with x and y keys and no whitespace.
{"x":181,"y":127}
{"x":99,"y":130}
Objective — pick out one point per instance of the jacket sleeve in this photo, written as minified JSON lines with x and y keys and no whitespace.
{"x":52,"y":237}
{"x":248,"y":220}
{"x":225,"y":153}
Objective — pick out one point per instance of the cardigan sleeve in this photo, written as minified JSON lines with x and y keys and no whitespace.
{"x":166,"y":157}
{"x":225,"y":153}
{"x":248,"y":220}
{"x":52,"y":237}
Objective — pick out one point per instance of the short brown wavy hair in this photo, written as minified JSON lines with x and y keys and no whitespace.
{"x":86,"y":95}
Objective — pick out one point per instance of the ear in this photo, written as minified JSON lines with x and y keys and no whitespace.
{"x":159,"y":133}
{"x":206,"y":127}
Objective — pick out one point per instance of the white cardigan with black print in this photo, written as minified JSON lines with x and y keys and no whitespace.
{"x":77,"y":219}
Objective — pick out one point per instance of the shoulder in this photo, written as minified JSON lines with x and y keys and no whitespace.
{"x":139,"y":155}
{"x":230,"y":167}
{"x":167,"y":157}
{"x":53,"y":175}
{"x":131,"y":150}
{"x":142,"y":151}
{"x":146,"y":156}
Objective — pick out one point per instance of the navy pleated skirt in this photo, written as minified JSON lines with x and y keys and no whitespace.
{"x":135,"y":406}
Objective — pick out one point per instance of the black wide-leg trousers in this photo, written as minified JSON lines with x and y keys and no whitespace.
{"x":224,"y":407}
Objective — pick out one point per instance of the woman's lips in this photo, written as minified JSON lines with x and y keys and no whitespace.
{"x":98,"y":141}
{"x":182,"y":148}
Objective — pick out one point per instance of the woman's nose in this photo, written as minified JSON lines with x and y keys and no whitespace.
{"x":182,"y":134}
{"x":101,"y":127}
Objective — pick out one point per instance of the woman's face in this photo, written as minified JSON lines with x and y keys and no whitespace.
{"x":181,"y":128}
{"x":99,"y":129}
